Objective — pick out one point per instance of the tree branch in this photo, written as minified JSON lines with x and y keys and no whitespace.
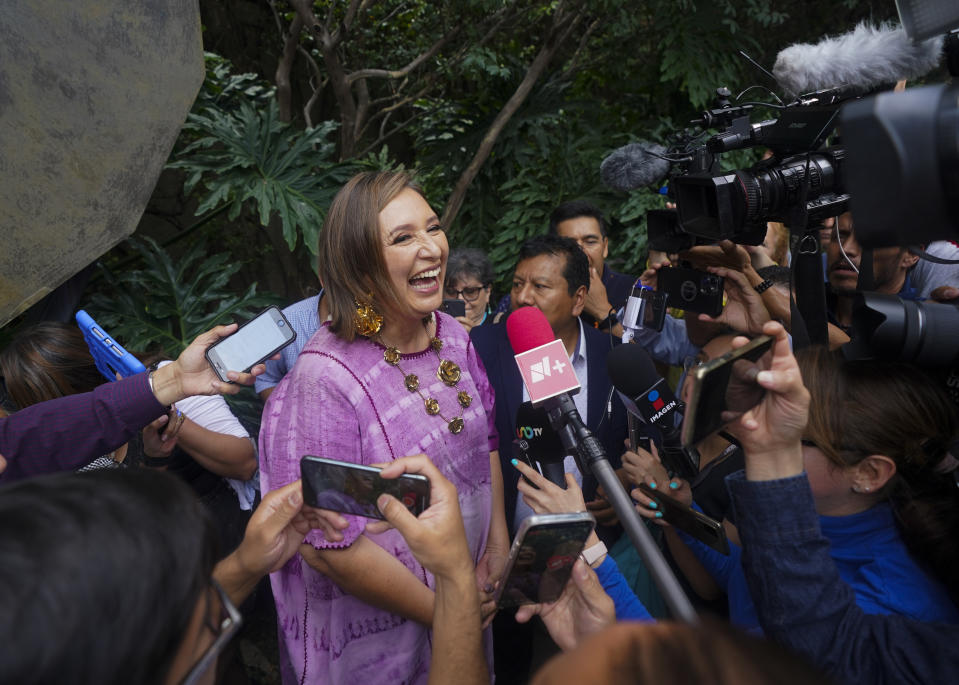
{"x":316,"y":83}
{"x":383,"y":137}
{"x":337,"y":75}
{"x":562,"y":26}
{"x":400,"y":73}
{"x":584,"y":39}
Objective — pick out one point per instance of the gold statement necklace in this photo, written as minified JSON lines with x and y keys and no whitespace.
{"x":447,"y":371}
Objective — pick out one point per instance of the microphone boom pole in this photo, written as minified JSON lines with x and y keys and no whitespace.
{"x":590,"y":454}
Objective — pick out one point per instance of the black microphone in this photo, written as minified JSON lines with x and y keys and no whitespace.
{"x":634,"y":166}
{"x":648,"y":397}
{"x":543,"y":448}
{"x":858,"y":61}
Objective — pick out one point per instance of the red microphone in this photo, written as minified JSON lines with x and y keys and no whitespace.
{"x":527,"y":328}
{"x":542,"y":359}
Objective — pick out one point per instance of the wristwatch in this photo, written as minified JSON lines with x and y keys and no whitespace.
{"x":608,"y":322}
{"x":592,"y":554}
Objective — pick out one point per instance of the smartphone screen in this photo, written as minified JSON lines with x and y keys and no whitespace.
{"x":724,"y":389}
{"x":353,"y":488}
{"x":256,"y":340}
{"x":542,"y":557}
{"x":705,"y":529}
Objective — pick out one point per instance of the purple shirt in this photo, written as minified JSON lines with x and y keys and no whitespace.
{"x":66,"y":433}
{"x":343,"y":401}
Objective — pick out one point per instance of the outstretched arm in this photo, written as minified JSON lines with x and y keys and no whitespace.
{"x":438,"y":541}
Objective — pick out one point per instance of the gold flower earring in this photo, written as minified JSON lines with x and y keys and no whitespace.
{"x":367,"y":320}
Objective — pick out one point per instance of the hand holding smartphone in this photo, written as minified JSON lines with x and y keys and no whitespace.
{"x":110,"y":357}
{"x":353,"y":489}
{"x":705,"y":529}
{"x":725,"y":388}
{"x":542,"y":556}
{"x":258,"y":339}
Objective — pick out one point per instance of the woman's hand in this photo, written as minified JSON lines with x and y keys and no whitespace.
{"x":547,"y":497}
{"x":466,"y":322}
{"x":644,"y":467}
{"x":770,"y":432}
{"x":650,"y":276}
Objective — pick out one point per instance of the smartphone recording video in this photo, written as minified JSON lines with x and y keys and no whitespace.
{"x":724,"y":389}
{"x":542,"y":557}
{"x":353,"y":489}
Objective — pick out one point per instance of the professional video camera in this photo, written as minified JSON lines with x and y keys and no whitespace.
{"x":799,"y":180}
{"x":803,"y":181}
{"x":799,"y":183}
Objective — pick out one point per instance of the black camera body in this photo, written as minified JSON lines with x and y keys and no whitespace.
{"x":801,"y":184}
{"x":692,"y":289}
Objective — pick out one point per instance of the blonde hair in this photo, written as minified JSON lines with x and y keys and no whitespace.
{"x":351,"y":264}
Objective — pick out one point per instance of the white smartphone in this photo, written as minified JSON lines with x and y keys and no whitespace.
{"x":259,"y":338}
{"x":542,"y":557}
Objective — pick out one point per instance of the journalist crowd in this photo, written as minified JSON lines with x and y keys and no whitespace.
{"x":808,"y":538}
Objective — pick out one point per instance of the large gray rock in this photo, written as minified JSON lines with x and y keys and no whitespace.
{"x":92,"y":96}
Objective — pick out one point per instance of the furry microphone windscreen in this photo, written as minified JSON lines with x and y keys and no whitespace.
{"x":634,"y":166}
{"x":859,"y":61}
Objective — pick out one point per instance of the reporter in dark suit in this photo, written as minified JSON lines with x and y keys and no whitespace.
{"x":552,"y":274}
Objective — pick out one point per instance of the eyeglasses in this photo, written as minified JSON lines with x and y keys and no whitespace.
{"x":229,"y":623}
{"x":469,"y":294}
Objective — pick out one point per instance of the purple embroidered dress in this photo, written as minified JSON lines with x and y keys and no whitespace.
{"x":343,"y":401}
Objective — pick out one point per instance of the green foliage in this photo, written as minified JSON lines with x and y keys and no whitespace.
{"x":165,"y":305}
{"x":250,"y":156}
{"x":226,"y":90}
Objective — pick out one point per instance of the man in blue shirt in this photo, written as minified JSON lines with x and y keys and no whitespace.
{"x":305,"y":318}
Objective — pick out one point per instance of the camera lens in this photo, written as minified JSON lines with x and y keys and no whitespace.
{"x":888,"y":327}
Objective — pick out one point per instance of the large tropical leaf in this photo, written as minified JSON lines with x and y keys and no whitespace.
{"x":248,"y":158}
{"x":165,"y":305}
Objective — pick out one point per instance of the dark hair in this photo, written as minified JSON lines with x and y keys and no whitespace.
{"x":469,"y":261}
{"x":101,"y":574}
{"x":860,"y":408}
{"x":712,"y":651}
{"x":574,"y":209}
{"x":351,"y":263}
{"x":576,"y":269}
{"x":48,"y":360}
{"x":780,"y":275}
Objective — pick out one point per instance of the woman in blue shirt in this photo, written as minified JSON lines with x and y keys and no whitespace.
{"x":876,"y":435}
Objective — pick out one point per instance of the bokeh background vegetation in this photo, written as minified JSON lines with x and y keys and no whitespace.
{"x":502,"y":108}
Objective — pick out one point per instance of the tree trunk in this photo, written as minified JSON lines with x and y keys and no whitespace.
{"x":284,"y":92}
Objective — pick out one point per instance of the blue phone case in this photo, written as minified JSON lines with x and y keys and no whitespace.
{"x":108,"y":354}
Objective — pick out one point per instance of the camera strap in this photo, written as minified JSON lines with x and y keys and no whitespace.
{"x":808,"y":308}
